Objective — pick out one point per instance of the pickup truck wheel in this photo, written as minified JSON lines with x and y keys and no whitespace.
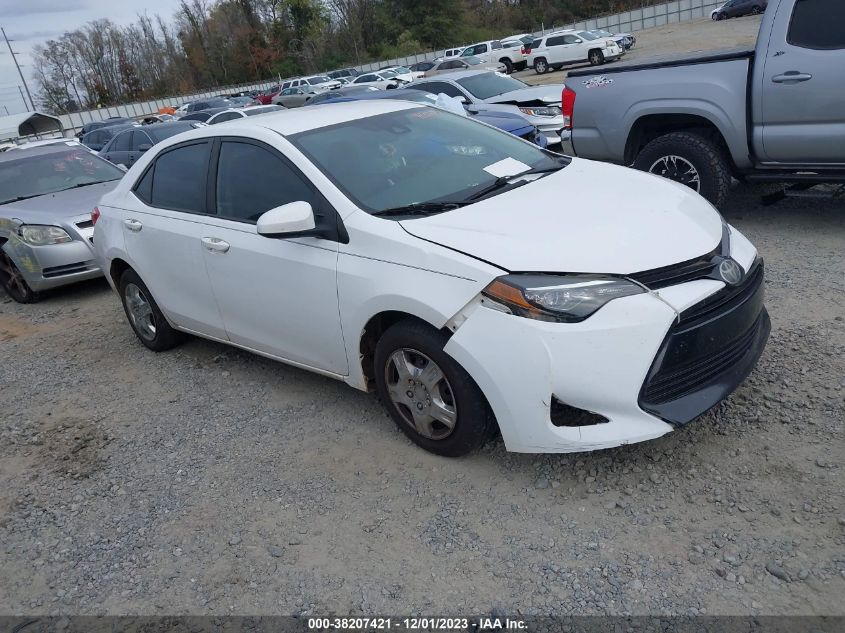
{"x":508,"y":65}
{"x":541,"y":66}
{"x":691,"y":160}
{"x":596,"y":57}
{"x":432,"y":399}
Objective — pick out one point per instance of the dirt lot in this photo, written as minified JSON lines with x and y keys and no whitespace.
{"x":207,"y":480}
{"x":673,"y":39}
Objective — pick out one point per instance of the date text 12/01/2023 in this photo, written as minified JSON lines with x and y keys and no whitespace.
{"x":416,"y":624}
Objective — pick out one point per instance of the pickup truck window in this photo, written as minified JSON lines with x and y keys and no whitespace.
{"x":817,"y":24}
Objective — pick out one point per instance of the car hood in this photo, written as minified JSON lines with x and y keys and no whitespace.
{"x":506,"y":121}
{"x":56,"y":207}
{"x":530,"y":96}
{"x":589,"y":217}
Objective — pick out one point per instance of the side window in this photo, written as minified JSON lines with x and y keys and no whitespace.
{"x":570,"y":39}
{"x":495,"y":45}
{"x":226,"y":116}
{"x":252,"y":180}
{"x":817,"y":24}
{"x":140,"y":138}
{"x":144,"y":188}
{"x":556,"y":41}
{"x":436,"y":87}
{"x":537,"y":43}
{"x":121,"y":142}
{"x":179,"y":178}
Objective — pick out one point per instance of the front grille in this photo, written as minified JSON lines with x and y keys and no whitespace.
{"x":725,"y":298}
{"x":698,"y":268}
{"x":67,"y":269}
{"x":667,"y":386}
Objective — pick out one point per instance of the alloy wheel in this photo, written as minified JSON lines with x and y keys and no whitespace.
{"x":540,"y":67}
{"x":140,"y":312}
{"x":13,"y":281}
{"x":678,"y":169}
{"x":421,"y":393}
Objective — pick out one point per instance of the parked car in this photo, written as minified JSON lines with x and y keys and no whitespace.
{"x":341,"y":94}
{"x":292,"y":97}
{"x":266,"y":97}
{"x":129,"y":145}
{"x":767,"y":115}
{"x":738,"y":8}
{"x":464,"y":63}
{"x":98,"y":138}
{"x":625,"y":41}
{"x":492,"y":51}
{"x":156,"y":118}
{"x":343,"y":72}
{"x":486,"y":91}
{"x":571,"y":47}
{"x":96,"y":125}
{"x":204,"y":115}
{"x":60,"y":140}
{"x":241,"y":101}
{"x":382,"y":79}
{"x":240,"y":113}
{"x":181,"y":111}
{"x":453,"y":52}
{"x":313,"y":84}
{"x":398,"y":230}
{"x":420,"y":68}
{"x":402,"y":73}
{"x":46,"y":197}
{"x":505,"y":121}
{"x":207,"y":104}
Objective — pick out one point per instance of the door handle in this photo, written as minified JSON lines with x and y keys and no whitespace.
{"x":133,"y":225}
{"x":215,"y":245}
{"x":791,"y":77}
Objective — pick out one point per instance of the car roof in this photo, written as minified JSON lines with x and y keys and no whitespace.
{"x":41,"y":150}
{"x":117,"y":127}
{"x":454,"y":76}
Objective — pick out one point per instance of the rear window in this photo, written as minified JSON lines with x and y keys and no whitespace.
{"x":817,"y":24}
{"x":536,"y":43}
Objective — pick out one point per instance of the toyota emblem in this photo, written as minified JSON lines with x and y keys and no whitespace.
{"x":730,"y":272}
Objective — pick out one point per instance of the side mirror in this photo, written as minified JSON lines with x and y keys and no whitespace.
{"x":144,"y":147}
{"x":579,"y":41}
{"x":294,"y":219}
{"x":463,"y":99}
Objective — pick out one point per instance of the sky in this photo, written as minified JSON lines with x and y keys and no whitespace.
{"x":32,"y":22}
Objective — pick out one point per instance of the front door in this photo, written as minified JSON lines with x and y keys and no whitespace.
{"x":802,"y":104}
{"x":277,"y":296}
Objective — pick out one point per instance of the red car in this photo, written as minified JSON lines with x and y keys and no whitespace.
{"x":266,"y":97}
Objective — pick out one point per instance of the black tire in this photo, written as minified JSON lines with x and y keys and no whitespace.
{"x":473,"y":419}
{"x":13,"y":282}
{"x":596,"y":57}
{"x":723,"y":16}
{"x":705,"y":157}
{"x":163,"y":337}
{"x":508,"y":65}
{"x":755,"y":10}
{"x":541,"y":66}
{"x":391,"y":86}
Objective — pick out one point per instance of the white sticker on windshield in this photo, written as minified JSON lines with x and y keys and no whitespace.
{"x":506,"y":167}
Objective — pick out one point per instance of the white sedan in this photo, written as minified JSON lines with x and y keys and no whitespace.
{"x":443,"y":264}
{"x":383,"y":79}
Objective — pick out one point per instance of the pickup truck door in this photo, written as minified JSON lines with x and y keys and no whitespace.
{"x":802,"y":105}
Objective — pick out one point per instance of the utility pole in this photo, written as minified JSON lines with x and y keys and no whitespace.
{"x":18,"y":66}
{"x":24,"y":100}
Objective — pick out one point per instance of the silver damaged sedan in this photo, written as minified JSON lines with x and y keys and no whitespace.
{"x":46,"y":198}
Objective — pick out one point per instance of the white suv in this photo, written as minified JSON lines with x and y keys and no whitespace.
{"x":315,"y":84}
{"x":493,"y":51}
{"x":569,"y":47}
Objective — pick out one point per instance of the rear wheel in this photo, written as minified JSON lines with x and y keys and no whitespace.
{"x":144,"y":315}
{"x":541,"y":66}
{"x":13,"y":281}
{"x":755,"y":10}
{"x":596,"y":57}
{"x":508,"y":65}
{"x":691,"y":160}
{"x":432,"y":399}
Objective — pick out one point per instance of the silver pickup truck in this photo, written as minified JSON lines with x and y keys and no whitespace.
{"x":775,"y":114}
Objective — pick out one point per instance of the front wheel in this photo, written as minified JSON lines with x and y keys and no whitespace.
{"x":13,"y":281}
{"x":508,"y":65}
{"x":691,"y":160}
{"x":596,"y":57}
{"x":144,"y":315}
{"x":755,"y":10}
{"x":432,"y":399}
{"x":541,"y":66}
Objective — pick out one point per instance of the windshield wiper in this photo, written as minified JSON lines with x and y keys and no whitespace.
{"x":504,"y":181}
{"x":84,"y":184}
{"x":420,"y":208}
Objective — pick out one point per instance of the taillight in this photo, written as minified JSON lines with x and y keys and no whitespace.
{"x":567,"y":100}
{"x":523,"y":51}
{"x":95,"y":215}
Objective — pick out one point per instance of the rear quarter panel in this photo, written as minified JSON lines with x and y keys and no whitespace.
{"x":608,"y":105}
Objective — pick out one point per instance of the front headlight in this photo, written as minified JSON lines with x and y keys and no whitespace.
{"x":39,"y":235}
{"x":559,"y":298}
{"x":549,"y":111}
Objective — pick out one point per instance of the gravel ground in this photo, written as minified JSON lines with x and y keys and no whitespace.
{"x":207,"y":481}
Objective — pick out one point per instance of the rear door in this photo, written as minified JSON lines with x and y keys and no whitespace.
{"x":802,"y":106}
{"x":141,"y":142}
{"x":164,"y":231}
{"x":117,"y":151}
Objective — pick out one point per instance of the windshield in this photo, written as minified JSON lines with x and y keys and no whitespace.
{"x":30,"y":176}
{"x":387,"y":74}
{"x":317,"y":80}
{"x":486,"y":85}
{"x":601,"y":33}
{"x":473,"y":61}
{"x":414,"y":156}
{"x":588,"y":36}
